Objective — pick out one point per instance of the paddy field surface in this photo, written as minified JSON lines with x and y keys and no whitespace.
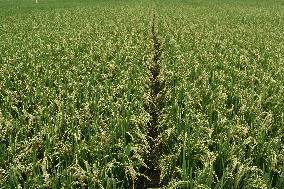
{"x":142,"y":94}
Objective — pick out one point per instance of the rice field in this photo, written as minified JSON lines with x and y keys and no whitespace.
{"x":142,"y":94}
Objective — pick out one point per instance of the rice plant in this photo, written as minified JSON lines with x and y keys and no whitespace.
{"x":140,"y":94}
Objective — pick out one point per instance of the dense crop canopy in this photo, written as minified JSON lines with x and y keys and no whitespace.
{"x":127,"y":94}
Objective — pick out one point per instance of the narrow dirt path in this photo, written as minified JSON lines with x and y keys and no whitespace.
{"x":154,"y":107}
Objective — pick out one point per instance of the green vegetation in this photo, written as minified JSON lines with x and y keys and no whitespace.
{"x":223,"y":67}
{"x":78,"y":104}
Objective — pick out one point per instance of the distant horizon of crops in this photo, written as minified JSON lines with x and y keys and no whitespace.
{"x":142,"y":94}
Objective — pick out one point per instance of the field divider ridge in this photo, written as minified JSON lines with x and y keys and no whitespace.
{"x":151,"y":174}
